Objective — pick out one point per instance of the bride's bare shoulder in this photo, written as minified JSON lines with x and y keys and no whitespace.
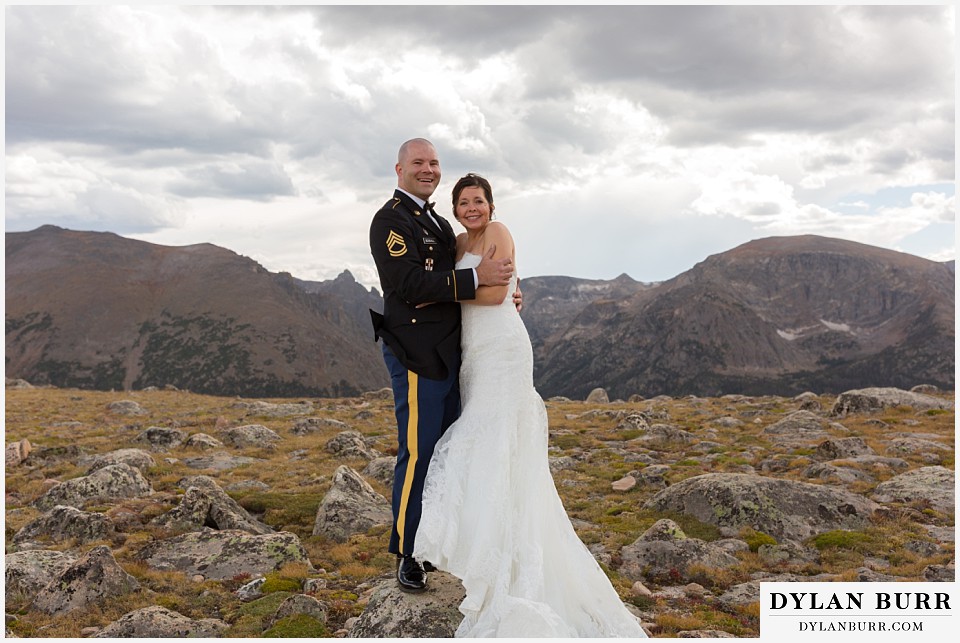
{"x":498,"y":232}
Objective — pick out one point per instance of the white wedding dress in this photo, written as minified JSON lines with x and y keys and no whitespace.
{"x":491,"y":513}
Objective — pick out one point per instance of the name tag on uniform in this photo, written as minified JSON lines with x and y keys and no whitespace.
{"x":430,"y":241}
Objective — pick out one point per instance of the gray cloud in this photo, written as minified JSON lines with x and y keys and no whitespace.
{"x":127,"y":116}
{"x":258,"y":180}
{"x":81,"y":77}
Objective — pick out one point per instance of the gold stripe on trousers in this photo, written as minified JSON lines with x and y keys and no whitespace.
{"x":412,"y":447}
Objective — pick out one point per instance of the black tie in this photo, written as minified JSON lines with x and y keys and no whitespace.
{"x":428,"y":208}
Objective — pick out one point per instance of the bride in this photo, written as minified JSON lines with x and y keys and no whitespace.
{"x":491,"y":514}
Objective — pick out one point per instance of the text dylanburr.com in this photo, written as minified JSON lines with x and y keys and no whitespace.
{"x":858,"y":611}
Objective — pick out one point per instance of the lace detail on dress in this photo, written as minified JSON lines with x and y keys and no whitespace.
{"x":491,"y":513}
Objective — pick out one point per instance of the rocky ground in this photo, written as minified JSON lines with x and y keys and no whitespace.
{"x":165,"y":513}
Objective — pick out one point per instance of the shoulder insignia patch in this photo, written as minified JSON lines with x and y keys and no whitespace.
{"x":396,"y":246}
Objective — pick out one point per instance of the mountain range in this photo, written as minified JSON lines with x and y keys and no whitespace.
{"x":96,"y":310}
{"x":777,"y":315}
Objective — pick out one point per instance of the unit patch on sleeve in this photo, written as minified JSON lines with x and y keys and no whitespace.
{"x":396,"y":246}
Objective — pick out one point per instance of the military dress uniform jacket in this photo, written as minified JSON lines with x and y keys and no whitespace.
{"x":415,"y":260}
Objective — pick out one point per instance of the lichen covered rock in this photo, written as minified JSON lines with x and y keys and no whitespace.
{"x":64,"y":523}
{"x":162,"y":438}
{"x":665,"y":553}
{"x":160,"y":622}
{"x":392,"y":613}
{"x":351,"y":506}
{"x":112,"y":482}
{"x":934,"y":485}
{"x":27,"y":572}
{"x":350,"y":444}
{"x":205,"y":504}
{"x":781,"y":508}
{"x":218,"y":555}
{"x":136,"y":458}
{"x":867,"y":400}
{"x":94,"y":578}
{"x":251,"y":435}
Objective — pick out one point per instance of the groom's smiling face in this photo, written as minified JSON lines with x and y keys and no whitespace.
{"x":418,"y":170}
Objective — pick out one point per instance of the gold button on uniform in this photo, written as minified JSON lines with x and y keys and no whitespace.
{"x":413,"y":321}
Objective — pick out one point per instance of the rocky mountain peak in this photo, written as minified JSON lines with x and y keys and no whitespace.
{"x":779,"y":314}
{"x":96,"y":310}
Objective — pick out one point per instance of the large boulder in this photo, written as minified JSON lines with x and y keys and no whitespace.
{"x":301,"y":604}
{"x":749,"y":592}
{"x":940,"y":573}
{"x":351,"y":506}
{"x":878,"y":462}
{"x":837,"y":448}
{"x":799,"y":429}
{"x":251,"y":435}
{"x":664,"y":433}
{"x":598,"y":396}
{"x":304,"y":426}
{"x":350,"y":444}
{"x":781,"y":508}
{"x":633,"y":421}
{"x":126,"y":407}
{"x":17,"y":452}
{"x":65,"y":523}
{"x":808,"y":401}
{"x":205,"y":504}
{"x":934,"y":485}
{"x":136,"y":458}
{"x":381,"y":469}
{"x":219,"y":555}
{"x":392,"y":613}
{"x":112,"y":482}
{"x":162,"y":438}
{"x":831,"y":472}
{"x":219,"y":461}
{"x":653,"y":475}
{"x":27,"y":572}
{"x":51,"y":456}
{"x":93,"y":579}
{"x":269,"y":409}
{"x":665,"y":553}
{"x":157,"y":622}
{"x":867,"y":400}
{"x":202,"y":441}
{"x":385,"y":393}
{"x":931,"y":452}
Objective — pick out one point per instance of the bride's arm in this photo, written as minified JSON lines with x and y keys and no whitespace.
{"x":495,"y":234}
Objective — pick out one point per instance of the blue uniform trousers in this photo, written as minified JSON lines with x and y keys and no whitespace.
{"x":424,"y":409}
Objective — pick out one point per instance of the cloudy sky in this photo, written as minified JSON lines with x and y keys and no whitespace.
{"x":636,"y":139}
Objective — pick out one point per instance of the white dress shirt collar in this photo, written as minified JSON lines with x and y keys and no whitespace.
{"x":416,"y":199}
{"x":420,"y":202}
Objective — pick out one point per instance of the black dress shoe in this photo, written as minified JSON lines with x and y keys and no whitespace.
{"x":410,"y":575}
{"x":428,"y":566}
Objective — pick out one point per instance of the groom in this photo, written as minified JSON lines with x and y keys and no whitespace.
{"x":415,"y":252}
